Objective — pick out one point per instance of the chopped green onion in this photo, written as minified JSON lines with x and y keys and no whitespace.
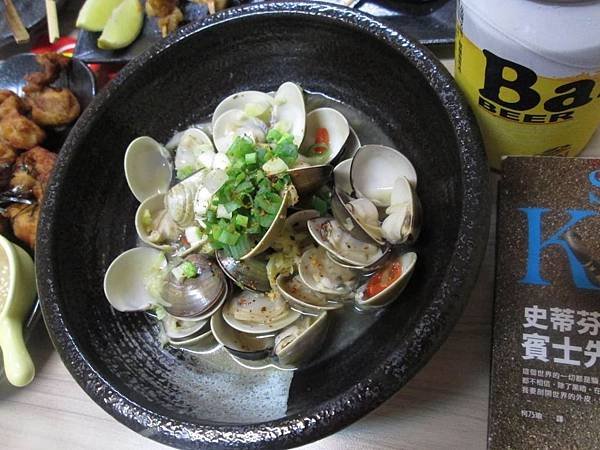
{"x":250,"y":158}
{"x":241,"y":220}
{"x":189,"y":269}
{"x":185,"y":172}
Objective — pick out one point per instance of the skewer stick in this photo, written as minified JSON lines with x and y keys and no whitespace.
{"x":15,"y":23}
{"x":52,"y":19}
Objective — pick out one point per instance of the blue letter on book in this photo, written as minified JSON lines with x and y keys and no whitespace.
{"x":537,"y":245}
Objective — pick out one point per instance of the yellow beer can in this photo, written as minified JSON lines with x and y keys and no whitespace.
{"x":531,"y":72}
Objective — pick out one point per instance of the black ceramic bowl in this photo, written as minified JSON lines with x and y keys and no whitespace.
{"x":87,"y":220}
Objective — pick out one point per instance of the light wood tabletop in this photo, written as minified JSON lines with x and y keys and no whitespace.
{"x":445,"y":406}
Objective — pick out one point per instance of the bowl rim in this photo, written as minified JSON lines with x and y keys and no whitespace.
{"x":393,"y":372}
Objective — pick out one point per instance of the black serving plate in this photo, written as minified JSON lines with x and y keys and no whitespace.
{"x":33,"y":16}
{"x":87,"y":50}
{"x":429,"y":21}
{"x":189,"y":401}
{"x":80,"y":79}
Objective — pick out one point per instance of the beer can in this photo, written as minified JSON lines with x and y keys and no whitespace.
{"x":531,"y":72}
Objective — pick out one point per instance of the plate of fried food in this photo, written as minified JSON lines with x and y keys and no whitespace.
{"x":41,"y":97}
{"x":104,"y":39}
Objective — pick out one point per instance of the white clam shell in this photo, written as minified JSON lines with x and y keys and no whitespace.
{"x":341,"y":176}
{"x":289,"y":111}
{"x":234,"y":123}
{"x":301,"y":340}
{"x":155,"y":205}
{"x":179,"y":329}
{"x":192,"y":143}
{"x":393,"y":291}
{"x":337,"y":128}
{"x":324,"y":275}
{"x":126,"y":278}
{"x":334,"y":238}
{"x":148,"y":168}
{"x":244,"y":101}
{"x":303,"y":298}
{"x":254,"y":303}
{"x":243,"y":345}
{"x":374,"y":171}
{"x":351,"y":145}
{"x":179,"y":200}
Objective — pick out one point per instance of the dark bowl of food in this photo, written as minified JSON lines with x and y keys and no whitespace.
{"x":392,"y":91}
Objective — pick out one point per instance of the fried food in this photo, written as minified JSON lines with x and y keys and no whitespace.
{"x":32,"y":171}
{"x":160,"y":8}
{"x":168,"y":14}
{"x":169,"y":23}
{"x":10,"y":103}
{"x":24,"y":219}
{"x":53,"y":107}
{"x":20,"y":132}
{"x":8,"y":156}
{"x":52,"y":64}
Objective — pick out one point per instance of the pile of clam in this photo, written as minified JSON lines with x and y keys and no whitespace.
{"x":259,"y":319}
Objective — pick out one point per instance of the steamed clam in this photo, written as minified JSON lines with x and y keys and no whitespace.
{"x":387,"y":284}
{"x":154,"y":225}
{"x":231,"y":255}
{"x":344,"y":247}
{"x":148,"y":168}
{"x":301,"y":340}
{"x":193,"y":287}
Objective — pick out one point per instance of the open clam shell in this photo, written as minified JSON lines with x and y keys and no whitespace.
{"x":255,"y":313}
{"x":289,"y":111}
{"x":179,"y":200}
{"x":303,"y":298}
{"x":182,"y":333}
{"x":192,"y":144}
{"x":403,"y":223}
{"x":297,"y":223}
{"x":301,"y":340}
{"x":374,"y":171}
{"x":127,"y":277}
{"x":353,"y":220}
{"x":337,"y":128}
{"x":309,"y":179}
{"x":250,"y":273}
{"x":351,"y":145}
{"x":334,"y":238}
{"x":234,"y":123}
{"x":274,"y":230}
{"x":253,"y":103}
{"x":190,"y":297}
{"x":324,"y":275}
{"x":148,"y":168}
{"x":238,"y":343}
{"x":341,"y":176}
{"x":162,"y":228}
{"x":392,"y":292}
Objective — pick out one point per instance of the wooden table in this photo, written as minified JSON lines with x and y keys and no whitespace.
{"x":445,"y":406}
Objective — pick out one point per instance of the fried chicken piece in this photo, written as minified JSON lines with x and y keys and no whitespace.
{"x":33,"y":168}
{"x":160,"y":8}
{"x":20,"y":132}
{"x":24,"y":219}
{"x":169,"y":23}
{"x":53,"y":107}
{"x":213,"y":5}
{"x":10,"y":103}
{"x":52,"y":64}
{"x":8,"y":156}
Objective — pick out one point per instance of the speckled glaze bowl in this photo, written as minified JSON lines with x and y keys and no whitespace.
{"x":176,"y":397}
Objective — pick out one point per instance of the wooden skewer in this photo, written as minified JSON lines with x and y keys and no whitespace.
{"x":15,"y":23}
{"x":52,"y":19}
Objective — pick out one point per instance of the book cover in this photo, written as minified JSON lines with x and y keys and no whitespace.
{"x":545,"y":382}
